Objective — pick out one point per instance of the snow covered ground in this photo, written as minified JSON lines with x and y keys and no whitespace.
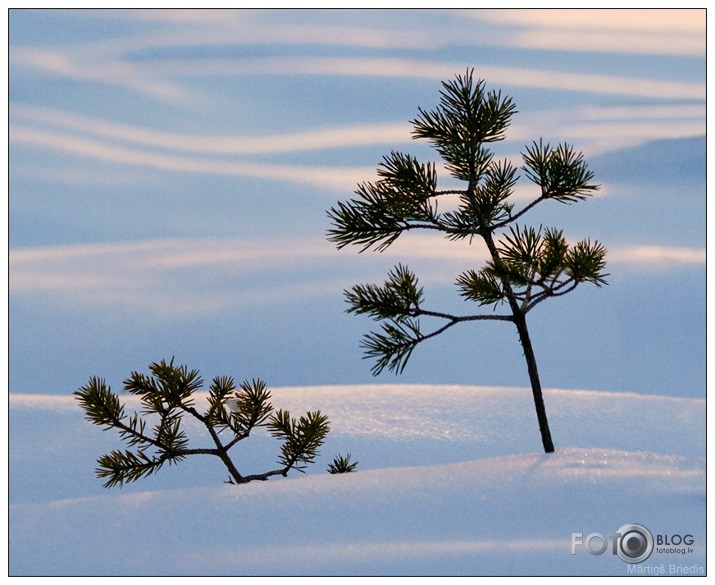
{"x":451,"y":481}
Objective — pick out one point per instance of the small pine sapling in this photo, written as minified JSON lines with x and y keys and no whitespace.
{"x":526,"y":266}
{"x":167,"y":395}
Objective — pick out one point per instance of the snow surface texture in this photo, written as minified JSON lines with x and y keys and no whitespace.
{"x":451,"y":481}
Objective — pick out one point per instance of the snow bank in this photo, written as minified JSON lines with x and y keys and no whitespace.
{"x":451,"y":481}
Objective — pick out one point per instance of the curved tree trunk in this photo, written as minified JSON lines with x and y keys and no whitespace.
{"x":520,"y":322}
{"x":519,"y":319}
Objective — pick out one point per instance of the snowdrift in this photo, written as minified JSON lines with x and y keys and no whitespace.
{"x":450,"y":481}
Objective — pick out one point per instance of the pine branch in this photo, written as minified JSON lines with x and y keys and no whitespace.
{"x":103,"y":408}
{"x":513,"y":217}
{"x":467,"y":117}
{"x":399,"y":297}
{"x":250,"y":408}
{"x":530,"y":259}
{"x":558,"y":291}
{"x":301,"y":438}
{"x":120,"y":467}
{"x":398,"y":302}
{"x":481,"y":286}
{"x":400,"y":200}
{"x":393,"y":346}
{"x":219,"y":391}
{"x":561,"y":173}
{"x":167,"y":388}
{"x":586,"y":261}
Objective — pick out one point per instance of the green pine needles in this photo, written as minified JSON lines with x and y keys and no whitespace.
{"x":526,"y":266}
{"x":342,"y":464}
{"x":231,"y":414}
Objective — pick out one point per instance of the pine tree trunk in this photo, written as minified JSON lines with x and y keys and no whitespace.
{"x":520,"y":321}
{"x":525,"y":339}
{"x":235,"y":475}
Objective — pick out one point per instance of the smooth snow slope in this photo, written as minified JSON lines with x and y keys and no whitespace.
{"x":451,"y":481}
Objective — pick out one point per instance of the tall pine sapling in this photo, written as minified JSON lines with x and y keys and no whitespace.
{"x":167,"y":395}
{"x":526,"y":265}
